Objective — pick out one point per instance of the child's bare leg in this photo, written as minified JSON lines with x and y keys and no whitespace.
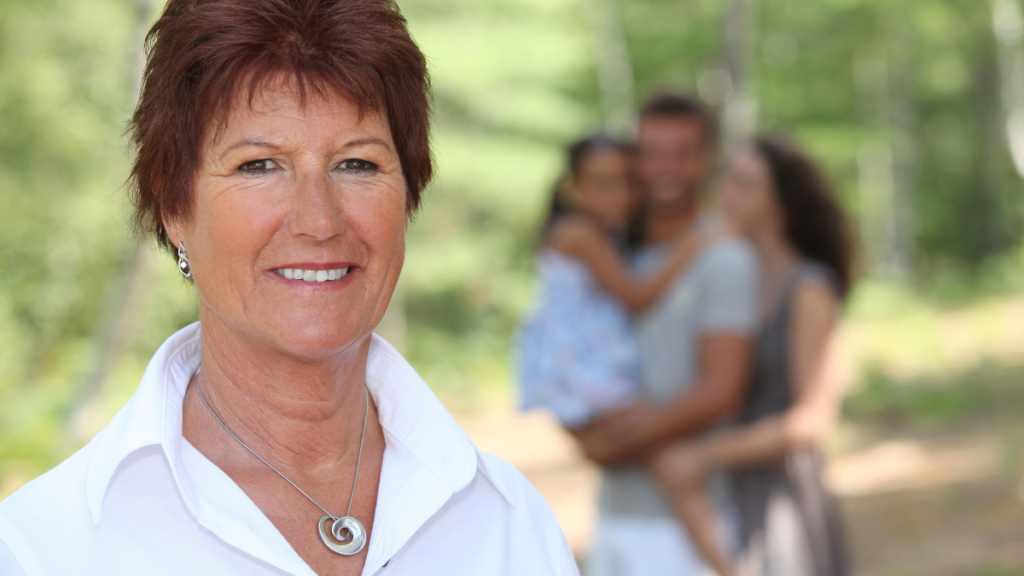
{"x":694,"y":508}
{"x":692,"y":504}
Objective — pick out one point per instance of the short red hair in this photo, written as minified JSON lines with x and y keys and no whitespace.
{"x":201,"y":54}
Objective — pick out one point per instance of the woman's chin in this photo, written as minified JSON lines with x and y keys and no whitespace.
{"x":314,"y":344}
{"x":301,"y":331}
{"x":305,"y":337}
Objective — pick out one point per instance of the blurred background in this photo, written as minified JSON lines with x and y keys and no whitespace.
{"x":916,"y":108}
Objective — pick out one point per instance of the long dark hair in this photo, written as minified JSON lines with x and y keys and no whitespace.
{"x":576,"y":154}
{"x":814,"y":222}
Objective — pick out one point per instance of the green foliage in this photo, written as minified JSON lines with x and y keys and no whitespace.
{"x":513,"y":86}
{"x":64,"y":85}
{"x":514,"y":80}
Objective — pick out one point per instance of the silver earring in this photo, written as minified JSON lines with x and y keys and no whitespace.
{"x":183,"y":265}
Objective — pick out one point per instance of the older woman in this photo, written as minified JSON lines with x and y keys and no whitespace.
{"x":281,"y":147}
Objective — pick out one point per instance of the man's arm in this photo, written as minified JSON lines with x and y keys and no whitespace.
{"x":720,"y":386}
{"x":727,"y":315}
{"x":719,"y":391}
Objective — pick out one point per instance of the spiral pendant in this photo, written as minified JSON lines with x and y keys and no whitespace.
{"x":346,"y":535}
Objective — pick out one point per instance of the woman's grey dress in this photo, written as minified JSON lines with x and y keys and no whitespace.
{"x":789,"y":522}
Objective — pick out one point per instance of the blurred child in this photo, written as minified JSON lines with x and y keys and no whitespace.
{"x":576,"y":352}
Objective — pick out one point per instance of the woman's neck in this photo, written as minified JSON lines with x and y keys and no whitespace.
{"x":777,"y":257}
{"x":775,"y":251}
{"x":298,"y":414}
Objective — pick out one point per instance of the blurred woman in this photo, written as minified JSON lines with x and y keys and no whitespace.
{"x":789,"y":523}
{"x":576,"y":352}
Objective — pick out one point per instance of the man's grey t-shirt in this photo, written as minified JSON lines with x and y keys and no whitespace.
{"x":716,"y":293}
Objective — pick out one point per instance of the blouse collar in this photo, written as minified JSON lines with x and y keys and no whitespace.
{"x":428,"y":456}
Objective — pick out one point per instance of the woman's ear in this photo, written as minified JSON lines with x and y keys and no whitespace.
{"x":174,"y":229}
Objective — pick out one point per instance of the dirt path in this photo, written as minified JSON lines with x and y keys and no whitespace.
{"x":944,"y":506}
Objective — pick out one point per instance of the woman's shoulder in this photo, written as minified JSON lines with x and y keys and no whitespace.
{"x":501,"y":493}
{"x":511,"y":485}
{"x":816,"y":279}
{"x":60,"y":493}
{"x":814,"y":293}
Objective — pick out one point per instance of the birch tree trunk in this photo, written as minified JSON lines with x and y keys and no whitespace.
{"x":887,"y":165}
{"x":739,"y":113}
{"x":905,"y":163}
{"x":1008,"y":26}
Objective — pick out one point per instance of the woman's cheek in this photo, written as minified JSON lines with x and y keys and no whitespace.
{"x":243,"y":210}
{"x":377,"y":214}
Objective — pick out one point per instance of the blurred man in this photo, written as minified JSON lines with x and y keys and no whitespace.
{"x":695,"y":345}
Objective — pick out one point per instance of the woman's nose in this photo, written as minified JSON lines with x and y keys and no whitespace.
{"x":316,"y":211}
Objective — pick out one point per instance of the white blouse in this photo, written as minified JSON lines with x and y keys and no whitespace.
{"x":139,"y":499}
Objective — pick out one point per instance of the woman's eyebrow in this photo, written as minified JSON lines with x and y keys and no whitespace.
{"x":365,"y":141}
{"x":249,"y":142}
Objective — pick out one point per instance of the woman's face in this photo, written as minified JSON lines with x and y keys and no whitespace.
{"x":746,"y":194}
{"x":297,"y":233}
{"x":603,"y":186}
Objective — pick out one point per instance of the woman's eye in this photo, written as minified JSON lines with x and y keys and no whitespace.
{"x":258,"y":166}
{"x":353,"y":165}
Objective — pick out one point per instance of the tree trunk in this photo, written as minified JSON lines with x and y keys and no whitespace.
{"x":887,"y":165}
{"x":1008,"y":26}
{"x":905,"y":162}
{"x":739,"y":114}
{"x":876,"y":204}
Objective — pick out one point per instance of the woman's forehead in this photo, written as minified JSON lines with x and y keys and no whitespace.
{"x":287,"y":107}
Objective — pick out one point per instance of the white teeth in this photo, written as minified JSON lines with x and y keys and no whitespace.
{"x":312,"y":275}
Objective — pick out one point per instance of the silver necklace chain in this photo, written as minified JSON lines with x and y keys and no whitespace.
{"x":359,"y":457}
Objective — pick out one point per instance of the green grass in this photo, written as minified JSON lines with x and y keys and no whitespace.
{"x":982,"y":392}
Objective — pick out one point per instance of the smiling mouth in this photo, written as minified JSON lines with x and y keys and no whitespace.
{"x":313,"y":275}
